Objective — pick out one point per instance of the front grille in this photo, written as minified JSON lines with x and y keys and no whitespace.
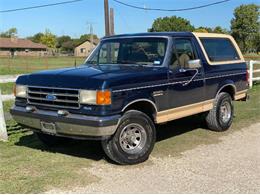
{"x":63,"y":98}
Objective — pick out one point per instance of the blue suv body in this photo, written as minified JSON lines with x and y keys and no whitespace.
{"x":128,"y":84}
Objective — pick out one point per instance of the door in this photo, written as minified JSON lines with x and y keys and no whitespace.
{"x":186,"y":84}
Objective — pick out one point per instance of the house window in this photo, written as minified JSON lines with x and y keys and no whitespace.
{"x":82,"y":50}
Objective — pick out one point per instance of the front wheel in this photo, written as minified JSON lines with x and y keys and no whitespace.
{"x":221,"y":116}
{"x":133,"y":141}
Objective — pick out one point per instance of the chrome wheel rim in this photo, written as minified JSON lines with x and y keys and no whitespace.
{"x":225,"y":111}
{"x":132,"y":138}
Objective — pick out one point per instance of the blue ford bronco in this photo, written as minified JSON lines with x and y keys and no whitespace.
{"x":129,"y":84}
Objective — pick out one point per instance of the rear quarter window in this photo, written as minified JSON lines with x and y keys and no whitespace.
{"x":219,"y":49}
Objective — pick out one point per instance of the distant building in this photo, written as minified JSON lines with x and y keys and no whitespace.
{"x":21,"y":47}
{"x":84,"y":49}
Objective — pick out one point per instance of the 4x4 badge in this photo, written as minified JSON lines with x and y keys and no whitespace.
{"x":157,"y":93}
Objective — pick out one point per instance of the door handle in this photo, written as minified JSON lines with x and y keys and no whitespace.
{"x":182,"y":70}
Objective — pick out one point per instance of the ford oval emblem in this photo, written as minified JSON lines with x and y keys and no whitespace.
{"x":51,"y":97}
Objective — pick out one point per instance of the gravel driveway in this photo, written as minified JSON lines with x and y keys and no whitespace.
{"x":230,"y":166}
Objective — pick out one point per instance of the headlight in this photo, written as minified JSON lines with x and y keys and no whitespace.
{"x":95,"y":97}
{"x":20,"y":91}
{"x":88,"y":97}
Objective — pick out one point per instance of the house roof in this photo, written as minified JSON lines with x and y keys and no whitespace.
{"x":20,"y":43}
{"x":95,"y":42}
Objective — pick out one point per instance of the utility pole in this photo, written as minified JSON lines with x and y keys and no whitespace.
{"x":90,"y":32}
{"x":106,"y":11}
{"x":91,"y":36}
{"x":112,"y":21}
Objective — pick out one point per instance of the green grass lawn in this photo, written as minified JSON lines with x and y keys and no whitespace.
{"x":27,"y":166}
{"x":21,"y":65}
{"x":257,"y":67}
{"x":6,"y":88}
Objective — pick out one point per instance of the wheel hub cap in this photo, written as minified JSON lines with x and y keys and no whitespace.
{"x":132,"y":138}
{"x":225,"y":112}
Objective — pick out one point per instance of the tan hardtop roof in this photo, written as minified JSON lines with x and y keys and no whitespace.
{"x":216,"y":35}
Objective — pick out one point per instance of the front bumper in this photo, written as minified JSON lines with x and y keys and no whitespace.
{"x":73,"y":125}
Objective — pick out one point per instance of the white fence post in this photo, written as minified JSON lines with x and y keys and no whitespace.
{"x":251,"y":71}
{"x":3,"y":131}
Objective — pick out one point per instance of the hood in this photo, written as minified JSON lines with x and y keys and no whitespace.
{"x":91,"y":77}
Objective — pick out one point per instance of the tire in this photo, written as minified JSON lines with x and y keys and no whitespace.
{"x":50,"y":140}
{"x":220,"y":117}
{"x":133,"y":141}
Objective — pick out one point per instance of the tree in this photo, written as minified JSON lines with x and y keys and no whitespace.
{"x":203,"y":29}
{"x":219,"y":29}
{"x":173,"y":23}
{"x":61,"y":40}
{"x":86,"y":37}
{"x":257,"y":43}
{"x":245,"y":26}
{"x":12,"y":32}
{"x":36,"y":38}
{"x":48,"y":39}
{"x":68,"y":46}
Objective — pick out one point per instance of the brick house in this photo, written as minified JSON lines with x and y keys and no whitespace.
{"x":21,"y":47}
{"x":84,"y":49}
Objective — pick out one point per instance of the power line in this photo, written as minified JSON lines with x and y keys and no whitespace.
{"x":170,"y":10}
{"x":123,"y":19}
{"x":39,"y":6}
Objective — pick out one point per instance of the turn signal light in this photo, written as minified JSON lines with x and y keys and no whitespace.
{"x":103,"y":97}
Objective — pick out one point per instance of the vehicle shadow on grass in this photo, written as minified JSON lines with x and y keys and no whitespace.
{"x":78,"y":148}
{"x":92,"y":150}
{"x":180,"y":126}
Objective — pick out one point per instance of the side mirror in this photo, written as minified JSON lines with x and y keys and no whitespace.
{"x":194,"y":64}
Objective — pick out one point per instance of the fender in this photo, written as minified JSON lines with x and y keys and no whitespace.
{"x":141,"y":100}
{"x":226,"y":84}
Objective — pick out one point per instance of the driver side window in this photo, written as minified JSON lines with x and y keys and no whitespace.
{"x":184,"y":52}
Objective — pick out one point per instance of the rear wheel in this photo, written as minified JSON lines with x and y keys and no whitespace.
{"x":133,"y":141}
{"x":221,"y":116}
{"x":50,"y":140}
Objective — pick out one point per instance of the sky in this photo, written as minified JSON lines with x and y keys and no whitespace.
{"x":74,"y":19}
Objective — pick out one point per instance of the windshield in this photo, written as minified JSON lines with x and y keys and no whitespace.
{"x":142,"y":51}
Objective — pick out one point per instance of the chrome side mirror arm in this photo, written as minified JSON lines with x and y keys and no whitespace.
{"x":192,"y":78}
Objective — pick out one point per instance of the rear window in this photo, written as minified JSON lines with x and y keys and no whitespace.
{"x":219,"y":49}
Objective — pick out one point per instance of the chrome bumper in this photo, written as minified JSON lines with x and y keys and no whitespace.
{"x":72,"y":125}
